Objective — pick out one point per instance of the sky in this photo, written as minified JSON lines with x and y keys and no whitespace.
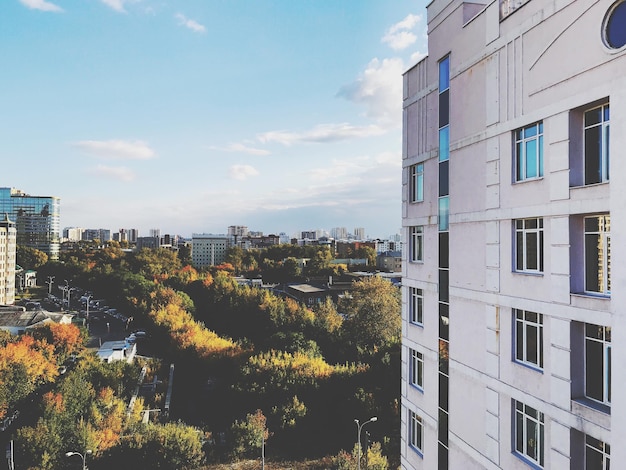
{"x":193,"y":115}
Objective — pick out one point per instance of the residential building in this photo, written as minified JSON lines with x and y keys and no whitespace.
{"x":208,"y":249}
{"x":359,"y":233}
{"x":8,"y":237}
{"x":90,"y":234}
{"x":237,"y":231}
{"x":37,"y":219}
{"x":339,"y":233}
{"x":509,"y":211}
{"x":73,"y":234}
{"x":148,"y":242}
{"x":390,"y":261}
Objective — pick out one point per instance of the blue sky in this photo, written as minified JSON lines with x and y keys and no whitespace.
{"x":193,"y":115}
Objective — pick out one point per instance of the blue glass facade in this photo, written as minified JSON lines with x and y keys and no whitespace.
{"x":37,"y":219}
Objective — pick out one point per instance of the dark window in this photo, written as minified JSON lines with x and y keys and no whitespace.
{"x":615,"y":26}
{"x":444,"y":178}
{"x":444,"y":250}
{"x":596,"y":135}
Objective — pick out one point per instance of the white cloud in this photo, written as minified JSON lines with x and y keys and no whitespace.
{"x":243,"y":149}
{"x":379,"y":87}
{"x":190,"y":24}
{"x":242,"y":172}
{"x":42,"y":5}
{"x":399,"y":36}
{"x":119,"y":173}
{"x":117,"y":149}
{"x":117,"y":5}
{"x":322,"y":134}
{"x":417,"y":56}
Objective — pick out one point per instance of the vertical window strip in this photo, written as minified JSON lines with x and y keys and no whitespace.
{"x":596,"y":128}
{"x":598,"y":363}
{"x":529,"y":152}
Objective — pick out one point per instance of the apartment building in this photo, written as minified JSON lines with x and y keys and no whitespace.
{"x":37,"y":219}
{"x":8,"y":235}
{"x":514,"y":345}
{"x":208,"y":250}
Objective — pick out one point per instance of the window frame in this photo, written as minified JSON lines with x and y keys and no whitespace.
{"x":603,"y":158}
{"x":520,"y":145}
{"x":416,"y":244}
{"x":525,"y":412}
{"x":416,"y":432}
{"x":523,"y":320}
{"x":416,"y":306}
{"x":416,"y":369}
{"x":601,"y":449}
{"x":604,"y":235}
{"x":416,"y":185}
{"x":604,"y":367}
{"x":525,"y":232}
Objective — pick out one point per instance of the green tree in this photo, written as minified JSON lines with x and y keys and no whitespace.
{"x":248,"y":436}
{"x":372,"y":314}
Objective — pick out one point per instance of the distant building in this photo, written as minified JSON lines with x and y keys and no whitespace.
{"x":359,"y":233}
{"x":148,"y":242}
{"x":309,"y":235}
{"x":208,"y":249}
{"x":37,"y":220}
{"x":8,"y":236}
{"x":339,"y":233}
{"x":101,"y":234}
{"x":237,"y":231}
{"x":155,"y":232}
{"x":390,"y":261}
{"x":73,"y":234}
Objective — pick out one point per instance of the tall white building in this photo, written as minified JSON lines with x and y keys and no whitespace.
{"x":359,"y":233}
{"x":514,"y":330}
{"x":208,"y":250}
{"x":8,"y":236}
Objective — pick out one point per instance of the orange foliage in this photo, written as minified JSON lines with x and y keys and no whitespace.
{"x":66,"y":338}
{"x":36,"y":356}
{"x":54,"y":401}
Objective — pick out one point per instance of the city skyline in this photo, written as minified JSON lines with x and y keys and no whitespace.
{"x":190,"y":116}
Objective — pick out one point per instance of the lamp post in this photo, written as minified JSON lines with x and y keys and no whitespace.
{"x":50,"y":281}
{"x":359,"y":427}
{"x":82,"y":456}
{"x":88,"y":300}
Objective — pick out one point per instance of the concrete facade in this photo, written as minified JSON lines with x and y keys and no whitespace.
{"x":510,"y":318}
{"x":209,"y":250}
{"x":8,"y":236}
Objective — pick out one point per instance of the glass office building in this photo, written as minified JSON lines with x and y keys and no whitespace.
{"x":37,"y":219}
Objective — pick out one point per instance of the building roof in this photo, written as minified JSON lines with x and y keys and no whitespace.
{"x":18,"y":318}
{"x":306,"y":288}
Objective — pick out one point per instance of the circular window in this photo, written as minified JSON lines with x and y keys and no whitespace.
{"x":615,"y":26}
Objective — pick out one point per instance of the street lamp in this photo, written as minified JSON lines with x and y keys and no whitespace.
{"x":50,"y":281}
{"x":359,"y":427}
{"x":82,"y":456}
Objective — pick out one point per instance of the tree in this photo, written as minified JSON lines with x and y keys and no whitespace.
{"x":30,"y":258}
{"x":248,"y":437}
{"x":372,"y":312}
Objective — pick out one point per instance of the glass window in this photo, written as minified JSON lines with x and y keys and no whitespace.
{"x":444,"y":179}
{"x":598,"y":254}
{"x":416,"y":369}
{"x":416,"y":427}
{"x":529,"y":245}
{"x":597,"y":454}
{"x":417,"y":183}
{"x":444,"y":144}
{"x":596,"y":137}
{"x":615,"y":26}
{"x":416,"y":244}
{"x":529,"y":433}
{"x":416,"y":306}
{"x":529,"y":338}
{"x":444,"y":213}
{"x":598,"y":363}
{"x":529,"y":152}
{"x":444,"y":74}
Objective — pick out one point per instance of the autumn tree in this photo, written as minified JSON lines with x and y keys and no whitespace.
{"x":248,"y":436}
{"x":30,"y":258}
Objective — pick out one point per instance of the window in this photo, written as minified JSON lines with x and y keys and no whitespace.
{"x":598,"y":254}
{"x":417,"y":183}
{"x":529,"y":338}
{"x":416,"y":306}
{"x":529,"y":433}
{"x":416,"y":244}
{"x":598,"y":363}
{"x":529,"y":245}
{"x":529,"y":152}
{"x":597,"y":454}
{"x":415,"y":431}
{"x":596,"y":144}
{"x":416,"y":369}
{"x":615,"y":26}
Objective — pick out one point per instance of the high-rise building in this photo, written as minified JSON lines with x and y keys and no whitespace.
{"x":102,"y":234}
{"x":208,"y":250}
{"x":339,"y":233}
{"x":359,"y":233}
{"x":8,"y":237}
{"x":512,"y":311}
{"x":73,"y":234}
{"x":37,"y":219}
